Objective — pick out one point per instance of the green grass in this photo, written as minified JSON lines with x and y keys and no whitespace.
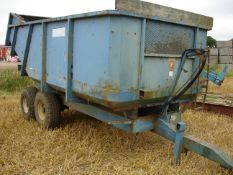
{"x":12,"y":82}
{"x":229,"y":73}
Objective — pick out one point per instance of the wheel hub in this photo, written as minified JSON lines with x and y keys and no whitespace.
{"x":25,"y":105}
{"x":41,"y":111}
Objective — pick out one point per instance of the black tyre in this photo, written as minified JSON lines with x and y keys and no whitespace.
{"x":27,"y":102}
{"x":47,"y":110}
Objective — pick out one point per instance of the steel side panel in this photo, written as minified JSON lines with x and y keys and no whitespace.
{"x":124,"y":56}
{"x":21,"y":41}
{"x":156,"y":80}
{"x":90,"y":53}
{"x":56,"y":61}
{"x":106,"y":57}
{"x":33,"y":67}
{"x":91,"y":39}
{"x":124,"y":51}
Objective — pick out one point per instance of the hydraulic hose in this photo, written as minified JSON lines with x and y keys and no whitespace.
{"x":200,"y":53}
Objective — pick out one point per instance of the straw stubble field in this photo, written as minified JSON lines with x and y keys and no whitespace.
{"x":83,"y":145}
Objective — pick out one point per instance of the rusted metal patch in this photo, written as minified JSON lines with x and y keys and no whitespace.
{"x":171,"y":64}
{"x":219,"y":109}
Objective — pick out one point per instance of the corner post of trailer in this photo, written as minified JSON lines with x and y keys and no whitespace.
{"x":26,"y":51}
{"x":69,"y":59}
{"x":142,"y":52}
{"x":43,"y":61}
{"x":14,"y":40}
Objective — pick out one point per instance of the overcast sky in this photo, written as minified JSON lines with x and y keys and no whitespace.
{"x":221,"y":10}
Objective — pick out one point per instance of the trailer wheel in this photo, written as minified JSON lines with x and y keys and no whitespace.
{"x":27,"y":102}
{"x":47,"y":110}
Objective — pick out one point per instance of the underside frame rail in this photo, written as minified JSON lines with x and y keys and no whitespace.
{"x":174,"y":132}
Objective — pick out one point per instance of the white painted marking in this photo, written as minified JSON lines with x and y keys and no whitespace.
{"x":59,"y":32}
{"x":171,"y":73}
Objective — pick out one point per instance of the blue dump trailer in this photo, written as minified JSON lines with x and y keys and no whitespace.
{"x":131,"y":67}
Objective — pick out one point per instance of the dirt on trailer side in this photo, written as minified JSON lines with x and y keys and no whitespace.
{"x":8,"y":66}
